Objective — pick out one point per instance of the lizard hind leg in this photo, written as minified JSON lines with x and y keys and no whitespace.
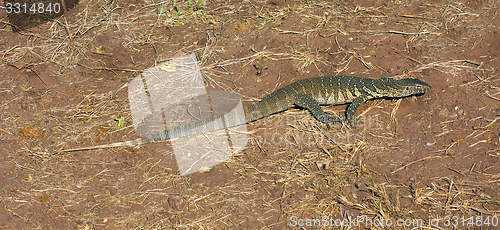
{"x":308,"y":102}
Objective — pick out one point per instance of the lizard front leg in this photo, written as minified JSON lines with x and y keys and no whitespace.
{"x":352,"y":109}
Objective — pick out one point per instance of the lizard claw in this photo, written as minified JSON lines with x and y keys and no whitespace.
{"x":356,"y":121}
{"x":327,"y":119}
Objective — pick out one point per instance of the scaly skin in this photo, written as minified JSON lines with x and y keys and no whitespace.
{"x":308,"y":93}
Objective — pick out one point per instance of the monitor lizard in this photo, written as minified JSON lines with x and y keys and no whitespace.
{"x":308,"y":93}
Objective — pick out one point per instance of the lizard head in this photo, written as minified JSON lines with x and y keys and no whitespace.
{"x":403,"y":87}
{"x":412,"y":86}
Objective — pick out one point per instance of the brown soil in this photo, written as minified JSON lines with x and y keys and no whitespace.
{"x":432,"y":157}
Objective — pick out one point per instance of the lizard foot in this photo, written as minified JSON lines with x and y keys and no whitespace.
{"x":356,"y":121}
{"x":327,"y":119}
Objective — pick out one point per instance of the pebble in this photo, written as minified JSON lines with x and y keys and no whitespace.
{"x":177,"y":202}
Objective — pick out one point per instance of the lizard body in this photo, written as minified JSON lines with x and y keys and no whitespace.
{"x":307,"y":93}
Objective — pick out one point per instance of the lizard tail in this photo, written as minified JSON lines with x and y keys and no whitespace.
{"x":119,"y":144}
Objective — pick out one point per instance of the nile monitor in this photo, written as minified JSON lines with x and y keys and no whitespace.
{"x":308,"y":93}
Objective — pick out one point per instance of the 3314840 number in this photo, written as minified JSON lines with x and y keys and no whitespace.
{"x":33,"y":8}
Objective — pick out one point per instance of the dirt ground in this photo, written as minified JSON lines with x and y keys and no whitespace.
{"x":434,"y":158}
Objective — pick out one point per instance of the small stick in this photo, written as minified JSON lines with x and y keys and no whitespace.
{"x":413,"y":162}
{"x":106,"y":146}
{"x":404,"y":33}
{"x":48,"y":86}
